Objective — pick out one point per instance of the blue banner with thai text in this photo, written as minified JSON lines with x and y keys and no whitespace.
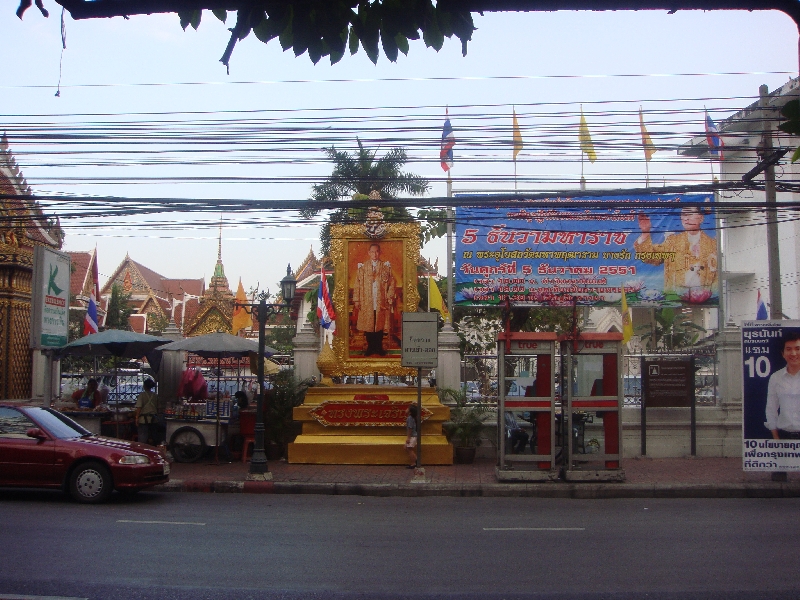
{"x":771,"y":395}
{"x":663,"y":253}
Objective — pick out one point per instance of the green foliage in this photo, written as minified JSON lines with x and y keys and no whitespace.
{"x":331,"y":27}
{"x":75,"y":324}
{"x":280,"y":338}
{"x":354,"y":176}
{"x":791,"y":111}
{"x":672,"y":330}
{"x":286,"y":393}
{"x":156,"y":322}
{"x":434,"y":223}
{"x":119,"y":308}
{"x":544,"y":318}
{"x":466,"y":420}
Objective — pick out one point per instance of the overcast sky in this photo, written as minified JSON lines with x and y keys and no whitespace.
{"x":111,"y":66}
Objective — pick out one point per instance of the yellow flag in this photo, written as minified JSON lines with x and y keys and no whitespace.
{"x":241,"y":318}
{"x":517,"y":135}
{"x":647,"y":142}
{"x":627,"y":319}
{"x":586,"y":139}
{"x":435,"y":299}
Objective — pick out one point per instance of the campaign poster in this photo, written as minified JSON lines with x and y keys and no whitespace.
{"x":771,"y":395}
{"x":662,"y":254}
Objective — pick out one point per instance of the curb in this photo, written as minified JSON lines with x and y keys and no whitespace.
{"x":587,"y":491}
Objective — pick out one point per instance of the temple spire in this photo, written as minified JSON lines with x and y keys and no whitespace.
{"x":219,"y":247}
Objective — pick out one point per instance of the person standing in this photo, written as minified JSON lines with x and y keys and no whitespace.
{"x":146,"y":413}
{"x":783,"y":394}
{"x":411,"y":436}
{"x":374,"y":296}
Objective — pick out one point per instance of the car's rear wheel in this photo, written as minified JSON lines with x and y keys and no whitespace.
{"x":188,"y":445}
{"x":90,"y":483}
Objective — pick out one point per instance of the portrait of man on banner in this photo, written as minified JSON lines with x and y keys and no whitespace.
{"x":376,"y":298}
{"x":771,"y":402}
{"x":689,"y":257}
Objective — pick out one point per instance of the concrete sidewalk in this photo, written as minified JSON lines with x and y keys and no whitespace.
{"x":645,"y":478}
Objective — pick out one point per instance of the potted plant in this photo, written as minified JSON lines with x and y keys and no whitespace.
{"x":286,"y":393}
{"x":463,"y":430}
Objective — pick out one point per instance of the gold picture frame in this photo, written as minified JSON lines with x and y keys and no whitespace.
{"x":355,"y":352}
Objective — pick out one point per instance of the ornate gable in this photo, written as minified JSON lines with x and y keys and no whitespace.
{"x":211,"y":319}
{"x":128,"y":275}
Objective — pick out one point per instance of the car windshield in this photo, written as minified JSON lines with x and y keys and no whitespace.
{"x":57,"y":424}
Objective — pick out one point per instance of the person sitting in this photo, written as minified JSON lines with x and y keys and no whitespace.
{"x":517,"y":436}
{"x":88,"y":397}
{"x":241,"y":399}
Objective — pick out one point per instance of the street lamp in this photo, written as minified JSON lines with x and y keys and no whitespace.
{"x":258,"y":463}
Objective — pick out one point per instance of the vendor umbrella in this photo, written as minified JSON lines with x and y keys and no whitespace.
{"x":218,"y":345}
{"x":113,"y":342}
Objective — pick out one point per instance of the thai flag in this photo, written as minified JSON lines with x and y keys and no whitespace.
{"x":325,"y":312}
{"x":448,"y":141}
{"x":715,"y":143}
{"x":761,"y":311}
{"x":90,"y":321}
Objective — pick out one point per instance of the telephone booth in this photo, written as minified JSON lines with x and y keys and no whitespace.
{"x":526,"y":393}
{"x":591,"y":380}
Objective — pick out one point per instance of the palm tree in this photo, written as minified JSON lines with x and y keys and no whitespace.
{"x":354,"y":176}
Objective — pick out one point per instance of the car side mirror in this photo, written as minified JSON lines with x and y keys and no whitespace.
{"x":35,"y":432}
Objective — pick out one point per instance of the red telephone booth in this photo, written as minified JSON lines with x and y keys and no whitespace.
{"x":526,"y":393}
{"x":592,"y":382}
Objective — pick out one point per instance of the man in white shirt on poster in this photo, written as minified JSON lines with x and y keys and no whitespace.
{"x":783,"y":393}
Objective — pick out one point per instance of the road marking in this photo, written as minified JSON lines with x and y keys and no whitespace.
{"x":19,"y":597}
{"x":534,"y":528}
{"x":159,"y":523}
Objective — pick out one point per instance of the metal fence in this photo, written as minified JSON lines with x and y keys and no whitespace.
{"x":706,"y":381}
{"x":120,"y":387}
{"x":479,"y":374}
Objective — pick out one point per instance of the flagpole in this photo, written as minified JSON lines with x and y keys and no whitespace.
{"x":583,"y":180}
{"x":450,"y":219}
{"x":710,"y":156}
{"x":429,"y":291}
{"x":321,"y":328}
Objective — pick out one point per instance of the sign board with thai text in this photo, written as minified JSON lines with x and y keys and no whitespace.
{"x":663,"y":254}
{"x":420,"y":340}
{"x":668,"y":382}
{"x":50,"y":298}
{"x":771,"y":395}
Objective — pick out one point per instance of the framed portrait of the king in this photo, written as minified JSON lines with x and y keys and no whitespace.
{"x":376,"y":281}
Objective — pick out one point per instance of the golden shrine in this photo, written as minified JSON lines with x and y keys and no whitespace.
{"x":375,"y":270}
{"x":24,"y":227}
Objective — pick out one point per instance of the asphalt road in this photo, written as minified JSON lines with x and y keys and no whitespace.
{"x":241,"y":546}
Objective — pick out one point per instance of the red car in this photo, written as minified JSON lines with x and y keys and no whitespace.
{"x":40,"y":447}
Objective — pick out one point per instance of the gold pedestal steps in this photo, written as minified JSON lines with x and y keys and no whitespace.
{"x":365,"y":425}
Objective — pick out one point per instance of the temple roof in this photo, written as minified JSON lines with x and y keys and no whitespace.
{"x":152,"y":292}
{"x":80,"y":281}
{"x":29,"y":219}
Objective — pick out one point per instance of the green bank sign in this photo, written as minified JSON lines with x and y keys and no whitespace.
{"x":50,"y":298}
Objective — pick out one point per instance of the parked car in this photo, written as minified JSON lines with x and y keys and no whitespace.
{"x":41,"y":447}
{"x":473,"y":391}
